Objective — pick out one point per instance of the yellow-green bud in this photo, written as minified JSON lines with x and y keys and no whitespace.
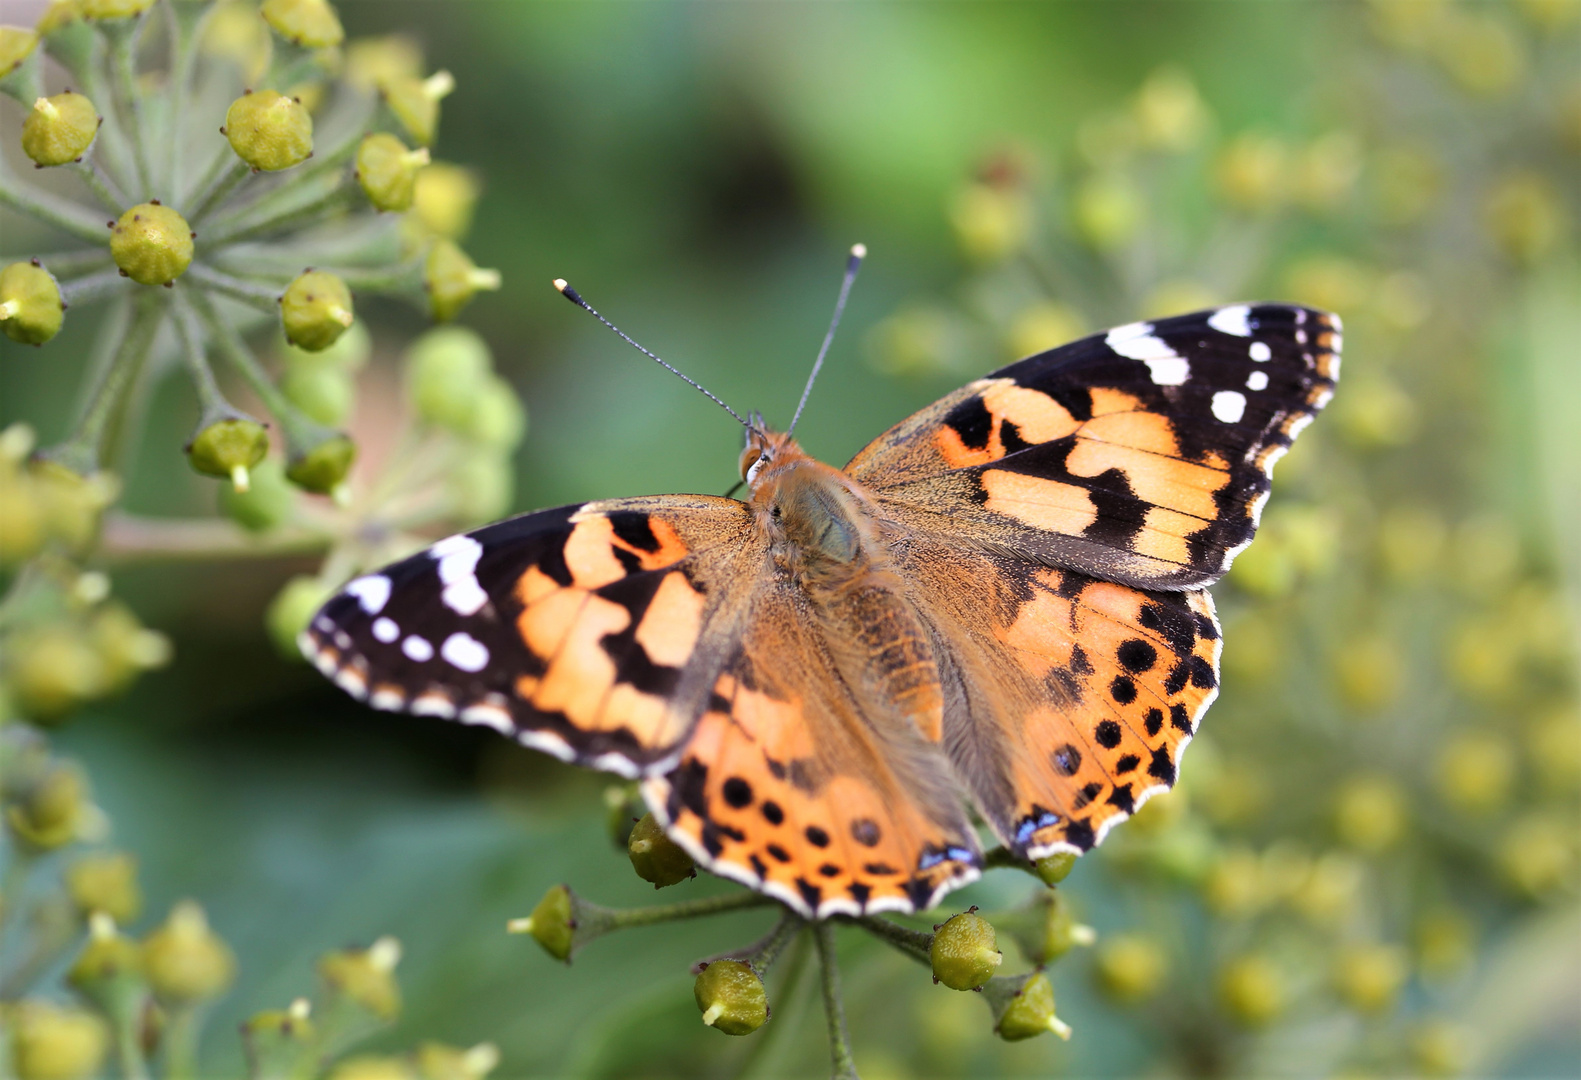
{"x":1476,"y":771}
{"x":550,"y":923}
{"x":52,"y":1043}
{"x":371,"y":61}
{"x":443,"y":198}
{"x":446,"y":371}
{"x":991,"y":221}
{"x":1053,"y":869}
{"x":315,"y":310}
{"x":125,"y":646}
{"x":152,"y":244}
{"x":1439,"y":1048}
{"x":31,"y":309}
{"x":1055,"y":930}
{"x":622,"y":805}
{"x":1368,"y":977}
{"x":452,"y":280}
{"x":1251,"y":990}
{"x":108,"y":961}
{"x":1370,"y":813}
{"x":59,"y":129}
{"x":106,"y":883}
{"x":498,"y":419}
{"x":323,"y":468}
{"x":482,"y":485}
{"x":436,"y":1061}
{"x":387,"y":171}
{"x":229,"y":447}
{"x":415,"y":103}
{"x":1029,"y":1011}
{"x":52,"y":669}
{"x":266,"y":503}
{"x":1538,"y":855}
{"x":290,"y":611}
{"x":16,"y":45}
{"x":731,"y":997}
{"x":1130,"y":968}
{"x":53,"y":810}
{"x":373,"y":1067}
{"x":59,"y":13}
{"x":269,"y":131}
{"x":186,"y":962}
{"x":72,"y":502}
{"x":965,"y":951}
{"x":1108,"y":211}
{"x":366,"y":976}
{"x":349,"y":353}
{"x":323,"y":392}
{"x":114,"y":9}
{"x":279,"y":1041}
{"x":655,"y":857}
{"x":309,"y":23}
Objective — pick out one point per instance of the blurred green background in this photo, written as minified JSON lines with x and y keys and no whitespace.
{"x":1372,"y":867}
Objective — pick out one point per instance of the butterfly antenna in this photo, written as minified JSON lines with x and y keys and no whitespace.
{"x":852,"y":265}
{"x":576,"y":298}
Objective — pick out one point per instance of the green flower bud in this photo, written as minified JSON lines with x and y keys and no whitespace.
{"x":52,"y":1043}
{"x":731,"y":997}
{"x":152,"y":244}
{"x":965,"y":951}
{"x":1439,"y":1048}
{"x":551,"y":923}
{"x":446,"y":371}
{"x":657,"y":858}
{"x":71,"y":502}
{"x":349,"y":353}
{"x":436,"y":1061}
{"x":59,"y":129}
{"x":267,"y":502}
{"x":324,"y":393}
{"x":452,"y":280}
{"x":622,"y":805}
{"x":443,"y":198}
{"x":1538,"y":856}
{"x":482,"y":485}
{"x":315,"y":310}
{"x":1370,"y":813}
{"x":106,"y":883}
{"x":312,"y":24}
{"x":1108,"y":211}
{"x":323,"y":468}
{"x":992,"y":221}
{"x":1476,"y":771}
{"x":59,"y":13}
{"x":387,"y":171}
{"x":125,"y":646}
{"x":498,"y":419}
{"x":16,"y":45}
{"x":53,"y":810}
{"x":1369,"y":977}
{"x":373,"y":1067}
{"x":415,"y":103}
{"x":110,"y":964}
{"x":372,"y":60}
{"x":31,"y":309}
{"x":291,"y":610}
{"x":186,"y":962}
{"x":114,"y":9}
{"x":1252,"y":991}
{"x":1053,"y":869}
{"x":269,"y":131}
{"x":366,"y":977}
{"x":1130,"y":968}
{"x":1445,"y":943}
{"x":281,"y":1042}
{"x":53,"y":669}
{"x":1023,"y":1007}
{"x":1051,"y":931}
{"x":229,"y":447}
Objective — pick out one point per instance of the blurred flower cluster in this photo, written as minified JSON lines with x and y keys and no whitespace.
{"x":261,"y":176}
{"x":1376,"y":838}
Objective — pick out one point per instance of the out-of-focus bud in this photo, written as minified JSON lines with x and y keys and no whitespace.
{"x":436,"y":1061}
{"x":312,"y":24}
{"x":323,"y":467}
{"x":1526,"y":216}
{"x":1042,"y":326}
{"x":415,"y":103}
{"x":53,"y":668}
{"x":657,"y":858}
{"x":1370,"y":813}
{"x":1378,"y":415}
{"x":1178,"y":297}
{"x":109,"y":970}
{"x":914,"y":341}
{"x":31,"y":309}
{"x":281,"y":1042}
{"x":446,"y":371}
{"x":1481,"y":52}
{"x":1326,"y":169}
{"x":388,"y":171}
{"x":482,"y":485}
{"x":1331,"y":888}
{"x":126,"y":647}
{"x":105,"y":882}
{"x":1368,"y":978}
{"x":373,"y":1067}
{"x":1438,"y":1048}
{"x":58,"y":14}
{"x":184,"y":961}
{"x":267,"y":502}
{"x":1252,"y":990}
{"x":365,"y":977}
{"x":1553,"y":746}
{"x":1130,"y":968}
{"x":349,"y":353}
{"x":443,"y":199}
{"x":1409,"y":180}
{"x":269,"y":131}
{"x":1170,"y":114}
{"x":991,"y":221}
{"x":1253,"y":171}
{"x":315,"y":310}
{"x":53,"y":809}
{"x":1475,"y":771}
{"x":1023,"y":1007}
{"x":1369,"y":672}
{"x":965,"y":951}
{"x":290,"y":611}
{"x":229,"y":446}
{"x":1538,"y":856}
{"x":17,"y":43}
{"x":1053,"y":869}
{"x":1234,"y":887}
{"x":1549,"y":15}
{"x":551,"y":923}
{"x":323,"y":392}
{"x":1445,"y":943}
{"x":1108,"y":210}
{"x":59,"y":129}
{"x":622,"y":808}
{"x":1331,"y":282}
{"x":1160,"y":813}
{"x":372,"y":61}
{"x":1482,"y":658}
{"x":1404,"y":300}
{"x":113,"y":9}
{"x":236,"y":33}
{"x":152,"y":244}
{"x":452,"y":280}
{"x":1411,"y":542}
{"x":1051,"y":931}
{"x":498,"y":421}
{"x":53,"y":1043}
{"x":731,"y":997}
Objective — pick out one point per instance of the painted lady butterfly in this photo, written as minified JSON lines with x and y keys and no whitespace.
{"x":999,"y":603}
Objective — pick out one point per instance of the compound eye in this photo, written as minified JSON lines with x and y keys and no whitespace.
{"x":752,"y":473}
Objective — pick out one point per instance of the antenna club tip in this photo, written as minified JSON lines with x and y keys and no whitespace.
{"x":560,"y":284}
{"x":859,"y":250}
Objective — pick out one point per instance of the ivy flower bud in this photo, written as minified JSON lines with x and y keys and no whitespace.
{"x":657,"y":858}
{"x":269,"y":131}
{"x":366,"y":977}
{"x":152,"y":244}
{"x":452,"y":280}
{"x":53,"y":810}
{"x":498,"y":420}
{"x":31,"y":309}
{"x":114,"y":9}
{"x":52,"y":670}
{"x":281,"y":1042}
{"x":372,"y":60}
{"x":1130,"y":968}
{"x":1370,"y":813}
{"x":1368,"y":977}
{"x":388,"y":171}
{"x":481,"y":486}
{"x":16,"y":45}
{"x":290,"y":610}
{"x":620,"y":803}
{"x":446,"y":370}
{"x":731,"y":997}
{"x":125,"y":646}
{"x":106,"y":883}
{"x":551,"y":923}
{"x":52,"y":1043}
{"x":110,"y":964}
{"x":229,"y":447}
{"x":1251,"y":990}
{"x":965,"y":951}
{"x":323,"y":392}
{"x":266,"y":503}
{"x":1024,"y":1007}
{"x":415,"y":103}
{"x":59,"y":129}
{"x":315,"y":310}
{"x":373,"y":1067}
{"x":1053,"y":869}
{"x":312,"y":24}
{"x":443,"y":198}
{"x":436,"y":1061}
{"x":1053,"y":931}
{"x":186,"y":962}
{"x":323,"y":468}
{"x":992,"y":221}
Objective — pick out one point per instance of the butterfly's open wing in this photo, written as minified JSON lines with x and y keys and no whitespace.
{"x":1142,"y":455}
{"x":591,"y":632}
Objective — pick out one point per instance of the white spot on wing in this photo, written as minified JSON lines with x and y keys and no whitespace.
{"x":372,"y":592}
{"x":465,"y":652}
{"x":1257,"y":380}
{"x":1136,"y":340}
{"x":1260,"y":351}
{"x":465,"y":597}
{"x":1229,"y":405}
{"x":385,"y":629}
{"x":431,"y":703}
{"x":488,"y":716}
{"x":387,"y":700}
{"x":418,"y":648}
{"x":1232,"y":320}
{"x":457,"y":557}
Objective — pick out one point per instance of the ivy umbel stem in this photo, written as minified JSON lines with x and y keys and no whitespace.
{"x":844,"y":1065}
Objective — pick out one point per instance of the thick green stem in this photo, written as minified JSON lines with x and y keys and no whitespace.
{"x":257,"y":294}
{"x":219,"y":189}
{"x":127,"y":538}
{"x":66,"y":216}
{"x":210,"y":400}
{"x":129,"y":1044}
{"x":626,"y":918}
{"x":88,"y":447}
{"x":844,"y":1065}
{"x":85,"y":290}
{"x":67,"y":263}
{"x":123,"y":35}
{"x":401,"y":278}
{"x":100,"y":184}
{"x":330,"y":203}
{"x":181,"y":1043}
{"x":186,"y":30}
{"x":913,"y":943}
{"x":213,"y":173}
